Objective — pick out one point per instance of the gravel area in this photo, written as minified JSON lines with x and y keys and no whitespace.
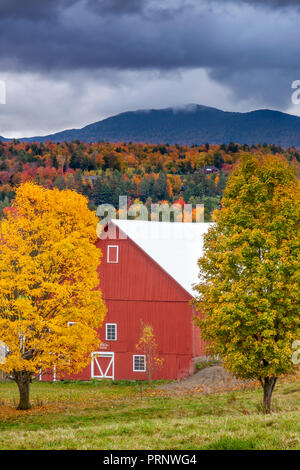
{"x":209,"y":380}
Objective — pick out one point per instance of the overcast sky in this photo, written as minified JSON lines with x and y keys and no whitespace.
{"x":67,"y":63}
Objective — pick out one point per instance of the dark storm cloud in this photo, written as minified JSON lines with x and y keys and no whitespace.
{"x":117,"y":7}
{"x":34,"y":9}
{"x":83,"y":36}
{"x":270,"y":3}
{"x":41,"y":9}
{"x":149,"y":9}
{"x":253,"y":53}
{"x":190,"y":37}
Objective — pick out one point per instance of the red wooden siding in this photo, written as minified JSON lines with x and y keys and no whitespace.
{"x":136,"y":289}
{"x":136,"y":276}
{"x":199,"y":345}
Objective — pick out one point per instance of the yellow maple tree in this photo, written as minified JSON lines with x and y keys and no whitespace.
{"x":48,"y":278}
{"x":148,"y":345}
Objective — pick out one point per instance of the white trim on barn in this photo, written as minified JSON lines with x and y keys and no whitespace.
{"x":108,"y":259}
{"x":135,"y":368}
{"x":109,"y":332}
{"x":98,"y":372}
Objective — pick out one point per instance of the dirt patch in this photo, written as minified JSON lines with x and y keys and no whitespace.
{"x":209,"y":380}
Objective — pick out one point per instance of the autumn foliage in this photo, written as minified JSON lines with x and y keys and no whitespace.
{"x":249,"y":290}
{"x":148,"y":346}
{"x":102,"y":171}
{"x":48,"y":276}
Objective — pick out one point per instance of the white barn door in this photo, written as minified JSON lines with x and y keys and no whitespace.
{"x":103,"y":365}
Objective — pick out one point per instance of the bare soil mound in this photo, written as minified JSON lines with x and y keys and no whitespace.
{"x":209,"y":380}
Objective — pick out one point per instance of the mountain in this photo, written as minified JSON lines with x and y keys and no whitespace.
{"x":192,"y":124}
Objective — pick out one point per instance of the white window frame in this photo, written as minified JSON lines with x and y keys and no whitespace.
{"x":107,"y":257}
{"x":116,"y":331}
{"x":139,"y":370}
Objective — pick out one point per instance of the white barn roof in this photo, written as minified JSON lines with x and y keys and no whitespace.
{"x":175,"y":246}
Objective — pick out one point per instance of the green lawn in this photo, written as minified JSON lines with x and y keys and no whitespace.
{"x":108,"y":416}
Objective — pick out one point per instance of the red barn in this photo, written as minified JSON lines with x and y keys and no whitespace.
{"x":146,"y":276}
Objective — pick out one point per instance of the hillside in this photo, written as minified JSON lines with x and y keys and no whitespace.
{"x":193,"y":124}
{"x":149,"y":173}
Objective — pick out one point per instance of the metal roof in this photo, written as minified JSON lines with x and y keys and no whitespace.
{"x":175,"y":246}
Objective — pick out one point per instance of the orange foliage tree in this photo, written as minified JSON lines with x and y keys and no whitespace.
{"x":48,"y":277}
{"x":148,"y":345}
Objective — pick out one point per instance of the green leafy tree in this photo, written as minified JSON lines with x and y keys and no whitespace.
{"x":145,"y":188}
{"x":249,"y":292}
{"x":160,"y":187}
{"x":3,"y":204}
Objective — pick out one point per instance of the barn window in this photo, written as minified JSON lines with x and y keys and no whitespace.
{"x":112,"y":254}
{"x":111,"y":332}
{"x":139,"y":363}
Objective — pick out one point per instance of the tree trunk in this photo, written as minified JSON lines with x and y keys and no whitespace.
{"x":149,"y":365}
{"x":268,"y":384}
{"x":23,"y":379}
{"x":150,"y":375}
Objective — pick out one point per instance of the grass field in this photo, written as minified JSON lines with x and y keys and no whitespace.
{"x":114,"y":416}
